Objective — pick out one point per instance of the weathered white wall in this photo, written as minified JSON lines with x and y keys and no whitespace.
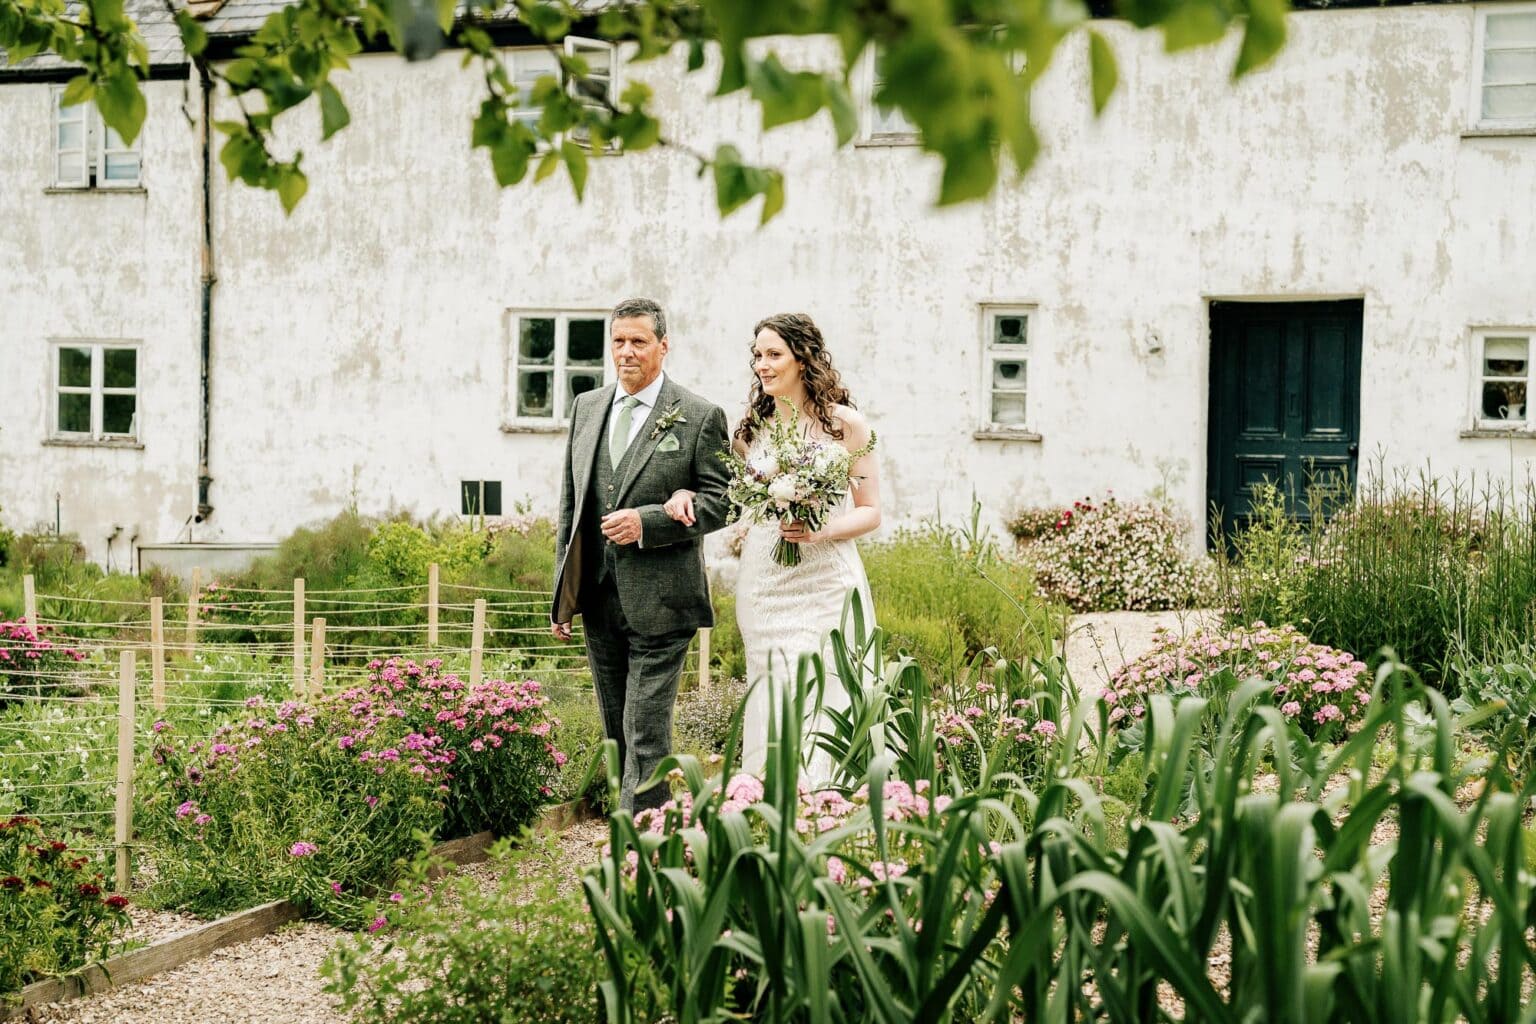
{"x":360,"y":345}
{"x":99,"y":265}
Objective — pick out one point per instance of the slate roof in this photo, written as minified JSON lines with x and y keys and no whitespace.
{"x":156,"y":25}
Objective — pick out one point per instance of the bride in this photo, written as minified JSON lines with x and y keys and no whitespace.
{"x":784,"y":612}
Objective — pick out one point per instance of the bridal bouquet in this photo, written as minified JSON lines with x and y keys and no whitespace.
{"x":791,"y":476}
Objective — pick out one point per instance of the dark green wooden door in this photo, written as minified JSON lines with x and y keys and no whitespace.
{"x":1285,"y":400}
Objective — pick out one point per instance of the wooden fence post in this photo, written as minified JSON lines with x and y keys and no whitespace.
{"x":125,"y":728}
{"x":704,"y":659}
{"x":29,"y":599}
{"x":298,"y":638}
{"x":194,"y":595}
{"x":432,"y":605}
{"x":477,"y":644}
{"x":157,"y":650}
{"x":317,"y":659}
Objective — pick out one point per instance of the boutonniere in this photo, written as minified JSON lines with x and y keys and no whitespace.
{"x":667,"y":420}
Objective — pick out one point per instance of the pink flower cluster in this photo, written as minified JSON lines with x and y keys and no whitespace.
{"x":26,"y":648}
{"x":1313,"y":684}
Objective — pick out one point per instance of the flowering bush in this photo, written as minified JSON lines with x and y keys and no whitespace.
{"x":30,"y":661}
{"x":1317,"y":687}
{"x":316,"y":804}
{"x":498,"y":737}
{"x":1112,"y":556}
{"x":998,"y":718}
{"x":54,"y":915}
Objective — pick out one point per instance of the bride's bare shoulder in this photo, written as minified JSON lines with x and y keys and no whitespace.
{"x":854,"y":424}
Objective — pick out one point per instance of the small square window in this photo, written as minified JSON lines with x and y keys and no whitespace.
{"x":1005,"y":370}
{"x":86,"y":153}
{"x":555,"y":357}
{"x":1504,"y":378}
{"x":1505,"y":68}
{"x":528,"y":67}
{"x":96,"y":391}
{"x":480,"y":497}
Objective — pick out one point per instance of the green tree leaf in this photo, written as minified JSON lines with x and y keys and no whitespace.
{"x":773,"y":197}
{"x":193,"y":36}
{"x":845,"y":117}
{"x":970,"y":171}
{"x":1263,"y":35}
{"x":548,"y":164}
{"x":79,"y":89}
{"x":785,"y":96}
{"x":1105,"y":74}
{"x":576,"y":163}
{"x":333,"y":112}
{"x":291,"y":186}
{"x":121,"y":103}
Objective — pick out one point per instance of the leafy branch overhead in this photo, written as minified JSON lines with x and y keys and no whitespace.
{"x":959,"y":70}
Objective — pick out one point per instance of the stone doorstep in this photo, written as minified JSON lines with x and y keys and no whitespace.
{"x":241,"y":926}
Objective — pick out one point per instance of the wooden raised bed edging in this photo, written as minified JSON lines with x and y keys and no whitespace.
{"x":241,"y":926}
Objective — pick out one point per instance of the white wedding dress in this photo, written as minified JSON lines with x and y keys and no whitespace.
{"x":784,"y":611}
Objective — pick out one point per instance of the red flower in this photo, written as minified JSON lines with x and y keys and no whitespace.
{"x":11,"y":882}
{"x":87,"y":889}
{"x":117,"y":902}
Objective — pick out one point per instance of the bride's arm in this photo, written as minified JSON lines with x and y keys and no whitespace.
{"x":864,"y":517}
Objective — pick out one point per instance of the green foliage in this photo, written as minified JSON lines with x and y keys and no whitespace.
{"x":945,"y":595}
{"x":701,"y":721}
{"x":1497,"y":701}
{"x":961,"y":73}
{"x":54,"y":916}
{"x":1428,"y":568}
{"x":522,"y":949}
{"x":961,"y":907}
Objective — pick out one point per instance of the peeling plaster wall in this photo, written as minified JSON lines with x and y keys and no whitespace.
{"x":108,"y":266}
{"x":361,"y":344}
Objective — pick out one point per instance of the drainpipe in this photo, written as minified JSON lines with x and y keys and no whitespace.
{"x":204,"y":477}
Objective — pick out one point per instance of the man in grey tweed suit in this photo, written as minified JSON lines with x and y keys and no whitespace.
{"x":635,"y":575}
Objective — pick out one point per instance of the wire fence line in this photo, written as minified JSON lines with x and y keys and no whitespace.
{"x":76,"y":732}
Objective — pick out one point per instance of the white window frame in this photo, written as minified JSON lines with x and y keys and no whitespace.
{"x":1479,"y":58}
{"x":992,"y":353}
{"x":573,"y":46}
{"x":867,"y":87}
{"x":97,"y":389}
{"x":561,"y":368}
{"x":1480,"y":336}
{"x":97,"y":143}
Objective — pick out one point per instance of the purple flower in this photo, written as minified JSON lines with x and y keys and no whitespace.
{"x":302,"y":849}
{"x":187,"y":809}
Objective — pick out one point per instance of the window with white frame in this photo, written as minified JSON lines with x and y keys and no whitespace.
{"x":526,"y":66}
{"x":882,"y":122}
{"x":96,"y":391}
{"x":1506,"y":68}
{"x":1005,"y":368}
{"x":554,"y":358}
{"x":88,"y":154}
{"x":1504,"y":377}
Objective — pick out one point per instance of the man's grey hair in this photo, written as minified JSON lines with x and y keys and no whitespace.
{"x":644,"y":307}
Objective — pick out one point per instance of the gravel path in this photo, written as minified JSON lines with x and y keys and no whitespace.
{"x":271,"y":980}
{"x":1100,"y":643}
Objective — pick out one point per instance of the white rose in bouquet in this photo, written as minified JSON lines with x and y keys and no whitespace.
{"x":785,"y":489}
{"x":765,"y":465}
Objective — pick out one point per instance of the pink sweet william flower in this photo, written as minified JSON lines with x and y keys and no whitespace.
{"x":378,"y":923}
{"x":744,"y":789}
{"x":187,"y":809}
{"x":836,"y":870}
{"x":1045,"y":727}
{"x":1290,"y":708}
{"x":302,"y":849}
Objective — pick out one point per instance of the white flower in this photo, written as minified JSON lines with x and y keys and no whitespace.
{"x":765,"y":465}
{"x":784,"y":489}
{"x":830,"y":458}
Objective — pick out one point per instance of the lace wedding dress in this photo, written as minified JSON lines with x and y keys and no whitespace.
{"x":784,"y":611}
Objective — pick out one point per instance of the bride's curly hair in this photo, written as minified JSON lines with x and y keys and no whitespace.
{"x":823,"y":386}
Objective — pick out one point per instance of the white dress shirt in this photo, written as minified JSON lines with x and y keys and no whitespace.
{"x":648,"y":396}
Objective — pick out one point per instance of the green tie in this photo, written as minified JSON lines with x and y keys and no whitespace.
{"x":620,"y":439}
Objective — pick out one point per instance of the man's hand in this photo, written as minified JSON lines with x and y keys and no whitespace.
{"x":623,"y":526}
{"x":560,"y":630}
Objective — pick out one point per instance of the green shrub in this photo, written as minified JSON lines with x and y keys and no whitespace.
{"x":54,"y":916}
{"x":457,"y":952}
{"x":316,"y":804}
{"x":701,"y":720}
{"x":1498,"y":701}
{"x":946,"y":594}
{"x":1425,"y":569}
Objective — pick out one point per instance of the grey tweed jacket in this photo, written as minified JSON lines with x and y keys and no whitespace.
{"x":661,"y":582}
